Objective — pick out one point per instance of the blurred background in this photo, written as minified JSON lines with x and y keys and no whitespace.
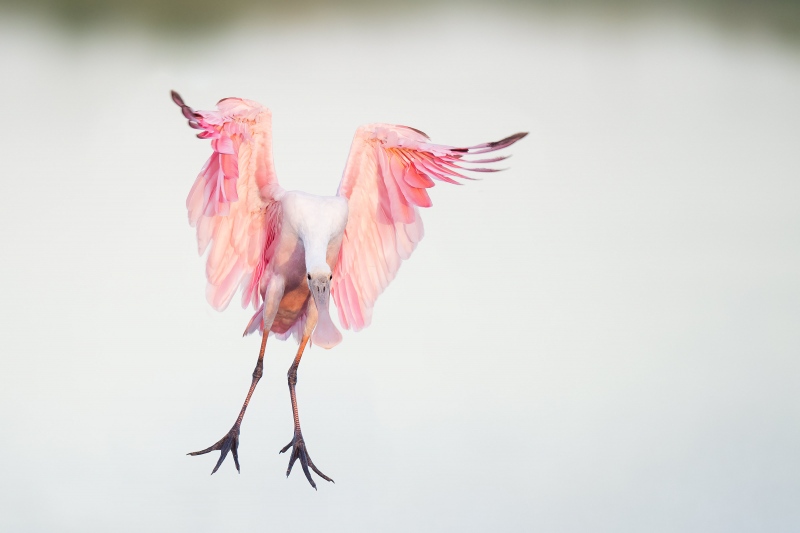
{"x":604,"y":337}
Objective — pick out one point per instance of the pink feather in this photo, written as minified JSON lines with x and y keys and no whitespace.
{"x":238,"y":233}
{"x":385,"y":180}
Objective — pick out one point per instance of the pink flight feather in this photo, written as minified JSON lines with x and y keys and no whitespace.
{"x":385,"y":180}
{"x":233,"y":202}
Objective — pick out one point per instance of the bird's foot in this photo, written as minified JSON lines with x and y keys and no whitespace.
{"x":228,"y":443}
{"x":299,"y":451}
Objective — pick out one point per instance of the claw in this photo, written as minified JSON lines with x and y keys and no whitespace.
{"x":228,"y":443}
{"x":304,"y":464}
{"x":292,"y":459}
{"x":235,"y":452}
{"x":315,"y":469}
{"x":299,"y":451}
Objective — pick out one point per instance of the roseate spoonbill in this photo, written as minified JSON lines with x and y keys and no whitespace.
{"x":290,"y":251}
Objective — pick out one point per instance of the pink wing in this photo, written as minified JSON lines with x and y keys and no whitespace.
{"x":233,"y":203}
{"x":385,"y":180}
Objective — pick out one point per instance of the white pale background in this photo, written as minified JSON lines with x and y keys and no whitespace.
{"x":605,"y":337}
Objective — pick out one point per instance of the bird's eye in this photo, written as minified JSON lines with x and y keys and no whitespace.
{"x":331,"y":277}
{"x":309,"y":277}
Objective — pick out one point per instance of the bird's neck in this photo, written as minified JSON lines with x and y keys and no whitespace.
{"x":316,"y":256}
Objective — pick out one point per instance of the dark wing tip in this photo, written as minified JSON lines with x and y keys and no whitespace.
{"x":191,"y":115}
{"x":508,"y":141}
{"x":491,"y":146}
{"x":177,"y":98}
{"x":482,"y":169}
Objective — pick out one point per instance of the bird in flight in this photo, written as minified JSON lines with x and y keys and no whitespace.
{"x":290,"y":251}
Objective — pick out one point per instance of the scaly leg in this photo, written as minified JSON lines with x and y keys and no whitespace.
{"x":299,"y":450}
{"x":230,"y":442}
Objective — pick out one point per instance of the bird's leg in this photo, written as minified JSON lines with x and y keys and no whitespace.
{"x":298,"y":445}
{"x":230,"y":442}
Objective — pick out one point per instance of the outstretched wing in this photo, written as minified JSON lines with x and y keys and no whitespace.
{"x":385,"y":181}
{"x":234,"y":201}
